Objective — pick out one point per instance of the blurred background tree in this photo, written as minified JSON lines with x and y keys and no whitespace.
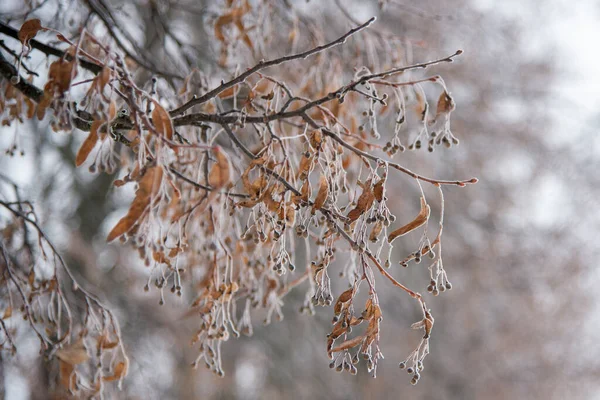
{"x":520,"y":320}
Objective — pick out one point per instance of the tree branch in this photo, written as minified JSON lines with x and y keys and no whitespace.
{"x":265,"y":64}
{"x":13,"y":33}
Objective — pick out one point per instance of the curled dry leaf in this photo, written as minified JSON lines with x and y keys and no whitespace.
{"x":220,"y":173}
{"x":377,"y":228}
{"x":348,"y":344}
{"x":162,"y":121}
{"x":74,"y":354}
{"x":321,"y":194}
{"x":379,"y":190}
{"x":234,"y":16}
{"x":304,"y":194}
{"x":120,"y":371}
{"x":60,"y":74}
{"x":28,"y":30}
{"x":88,"y":144}
{"x":148,"y":185}
{"x":100,"y":81}
{"x":364,"y":203}
{"x":306,"y":164}
{"x":420,"y":219}
{"x":445,"y":104}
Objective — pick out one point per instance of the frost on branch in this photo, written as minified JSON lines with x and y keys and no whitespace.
{"x":237,"y":173}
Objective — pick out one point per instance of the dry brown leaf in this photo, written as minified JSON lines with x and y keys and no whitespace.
{"x":148,"y":185}
{"x":105,"y":343}
{"x":377,"y":228}
{"x":162,"y":121}
{"x":227,"y":93}
{"x":220,"y":23}
{"x":28,"y":30}
{"x":88,"y":144}
{"x":60,"y":74}
{"x":419,"y":220}
{"x":304,"y":194}
{"x":233,"y":16}
{"x":321,"y":194}
{"x":364,"y":203}
{"x":379,"y":190}
{"x":220,"y":173}
{"x":445,"y":104}
{"x":120,"y":371}
{"x":428,"y":323}
{"x":67,"y":378}
{"x":290,"y":215}
{"x":346,"y":295}
{"x":348,"y":344}
{"x":112,"y":110}
{"x":306,"y":164}
{"x":244,"y":32}
{"x":7,"y":313}
{"x":74,"y":354}
{"x":267,"y":198}
{"x":316,"y":139}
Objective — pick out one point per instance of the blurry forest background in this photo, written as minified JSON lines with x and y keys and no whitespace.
{"x":520,"y":246}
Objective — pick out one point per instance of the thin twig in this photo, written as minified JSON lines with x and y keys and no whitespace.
{"x":265,"y":64}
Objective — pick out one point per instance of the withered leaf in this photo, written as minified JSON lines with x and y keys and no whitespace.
{"x":267,"y":198}
{"x":234,"y":15}
{"x":74,"y":354}
{"x":162,"y":121}
{"x":88,"y":144}
{"x":60,"y":74}
{"x":28,"y":30}
{"x":148,"y":185}
{"x":306,"y":164}
{"x":244,"y":32}
{"x":346,"y":295}
{"x":316,"y":139}
{"x":105,"y":343}
{"x":290,"y":215}
{"x":120,"y":371}
{"x":304,"y":194}
{"x":419,"y":220}
{"x":220,"y":173}
{"x":445,"y":104}
{"x":379,"y":190}
{"x":374,"y":236}
{"x":364,"y":203}
{"x":67,"y":378}
{"x":348,"y":344}
{"x":227,"y":93}
{"x":321,"y":194}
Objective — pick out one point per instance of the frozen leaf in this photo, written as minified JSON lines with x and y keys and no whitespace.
{"x":74,"y":354}
{"x":148,"y":185}
{"x":348,"y":344}
{"x":220,"y":173}
{"x":420,"y":219}
{"x":120,"y":371}
{"x":445,"y":104}
{"x":88,"y":144}
{"x":374,"y":235}
{"x":28,"y":30}
{"x":321,"y":194}
{"x":379,"y":190}
{"x":162,"y":121}
{"x":364,"y":203}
